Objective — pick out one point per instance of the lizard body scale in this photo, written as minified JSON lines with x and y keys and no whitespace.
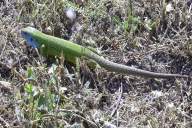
{"x":55,"y":46}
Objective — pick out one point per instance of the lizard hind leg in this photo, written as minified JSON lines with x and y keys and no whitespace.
{"x":93,"y":64}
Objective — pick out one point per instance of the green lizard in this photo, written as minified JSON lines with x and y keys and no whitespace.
{"x":55,"y":46}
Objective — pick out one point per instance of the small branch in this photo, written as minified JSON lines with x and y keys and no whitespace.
{"x":118,"y":101}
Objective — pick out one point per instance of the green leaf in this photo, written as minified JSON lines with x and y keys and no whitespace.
{"x":35,"y":103}
{"x":125,"y":25}
{"x":43,"y":103}
{"x":116,"y":20}
{"x":133,"y":28}
{"x":28,"y":87}
{"x":29,"y":72}
{"x":38,"y":114}
{"x":28,"y":91}
{"x":106,"y":118}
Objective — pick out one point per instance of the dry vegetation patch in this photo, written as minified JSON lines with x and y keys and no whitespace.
{"x":50,"y":92}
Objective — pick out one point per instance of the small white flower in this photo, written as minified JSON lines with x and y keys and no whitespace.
{"x":156,"y":94}
{"x":171,"y":105}
{"x":70,"y":13}
{"x":169,"y":8}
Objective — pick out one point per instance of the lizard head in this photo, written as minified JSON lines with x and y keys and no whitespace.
{"x":27,"y":34}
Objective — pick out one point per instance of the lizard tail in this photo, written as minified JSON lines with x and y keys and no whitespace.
{"x":119,"y":68}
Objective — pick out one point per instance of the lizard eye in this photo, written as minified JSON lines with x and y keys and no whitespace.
{"x":31,"y":39}
{"x":25,"y":33}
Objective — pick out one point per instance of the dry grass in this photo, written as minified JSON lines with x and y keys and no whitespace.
{"x":48,"y":92}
